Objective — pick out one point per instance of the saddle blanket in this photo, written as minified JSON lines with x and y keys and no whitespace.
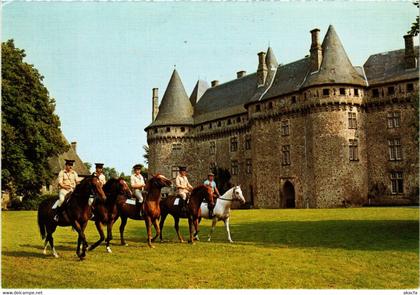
{"x":131,"y":201}
{"x":176,"y":202}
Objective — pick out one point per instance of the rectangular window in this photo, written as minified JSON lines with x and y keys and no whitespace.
{"x":293,"y":99}
{"x":248,"y":166}
{"x":248,"y":142}
{"x":174,"y":171}
{"x":395,"y":151}
{"x":352,"y":120}
{"x":410,"y":87}
{"x":176,"y":148}
{"x":234,"y":167}
{"x":212,"y":149}
{"x":394,"y":119}
{"x":229,"y":121}
{"x":285,"y":127}
{"x":397,"y":184}
{"x":325,"y":92}
{"x":375,"y":92}
{"x":233,"y":144}
{"x":210,"y":125}
{"x":353,"y":150}
{"x":356,"y":92}
{"x":391,"y":90}
{"x":257,"y":108}
{"x":286,"y":155}
{"x":342,"y":91}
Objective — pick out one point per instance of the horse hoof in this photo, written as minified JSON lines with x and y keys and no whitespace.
{"x":191,"y":242}
{"x":55,"y":255}
{"x":151,"y":246}
{"x":89,"y":248}
{"x":208,"y":240}
{"x":108,"y":249}
{"x":44,"y":252}
{"x":230,"y":241}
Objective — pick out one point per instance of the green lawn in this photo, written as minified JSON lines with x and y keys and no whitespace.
{"x":331,"y":248}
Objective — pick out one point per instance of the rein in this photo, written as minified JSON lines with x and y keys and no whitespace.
{"x":230,"y":200}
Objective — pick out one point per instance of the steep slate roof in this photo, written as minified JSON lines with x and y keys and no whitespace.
{"x":335,"y":66}
{"x":271,"y":60}
{"x":57,"y":163}
{"x":198,"y":91}
{"x":175,"y":108}
{"x":224,"y":98}
{"x":388,"y":67}
{"x":288,"y":78}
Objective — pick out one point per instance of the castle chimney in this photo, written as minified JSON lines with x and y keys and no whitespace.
{"x":155,"y":103}
{"x":240,"y":74}
{"x":262,"y":69}
{"x":74,"y":146}
{"x":214,"y":83}
{"x":316,"y":51}
{"x":410,"y":57}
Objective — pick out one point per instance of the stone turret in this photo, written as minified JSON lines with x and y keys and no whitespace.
{"x":175,"y":108}
{"x":335,"y":66}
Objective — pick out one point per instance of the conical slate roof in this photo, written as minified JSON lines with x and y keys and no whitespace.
{"x":175,"y":108}
{"x":198,"y":91}
{"x":336,"y":66}
{"x":271,"y":60}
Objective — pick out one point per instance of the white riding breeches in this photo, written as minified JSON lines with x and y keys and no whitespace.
{"x":61,"y":197}
{"x":138,"y":195}
{"x":183,"y":195}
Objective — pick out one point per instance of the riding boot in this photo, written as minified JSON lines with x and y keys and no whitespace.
{"x":57,"y":212}
{"x":184,"y":207}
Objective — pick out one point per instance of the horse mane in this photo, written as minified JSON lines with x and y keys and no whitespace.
{"x":107,"y":186}
{"x":82,"y":184}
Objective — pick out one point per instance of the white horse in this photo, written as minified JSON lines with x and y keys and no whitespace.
{"x":221,"y":209}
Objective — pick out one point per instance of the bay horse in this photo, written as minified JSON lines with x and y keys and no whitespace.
{"x":106,"y":212}
{"x":76,"y":213}
{"x":150,"y":208}
{"x":221,"y":210}
{"x":167,"y":206}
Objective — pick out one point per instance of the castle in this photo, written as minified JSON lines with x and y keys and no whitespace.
{"x":314,"y":133}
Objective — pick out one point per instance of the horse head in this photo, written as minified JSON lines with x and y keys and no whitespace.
{"x":209,"y":196}
{"x":96,"y":188}
{"x":158,"y":181}
{"x":237,"y":194}
{"x":124,"y":188}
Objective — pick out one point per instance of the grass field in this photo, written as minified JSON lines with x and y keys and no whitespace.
{"x":332,"y":248}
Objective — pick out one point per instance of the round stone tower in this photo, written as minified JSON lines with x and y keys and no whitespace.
{"x":334,"y":91}
{"x":169,"y":136}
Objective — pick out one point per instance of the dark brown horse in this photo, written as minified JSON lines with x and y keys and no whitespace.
{"x":106,"y":212}
{"x":150,"y":208}
{"x":76,"y":213}
{"x":167,"y":206}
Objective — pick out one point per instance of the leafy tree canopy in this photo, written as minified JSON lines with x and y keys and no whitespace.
{"x":30,"y":129}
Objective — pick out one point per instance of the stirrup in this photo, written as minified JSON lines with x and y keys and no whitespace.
{"x":56,"y":218}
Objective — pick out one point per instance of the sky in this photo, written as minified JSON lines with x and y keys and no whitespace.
{"x":101,"y":59}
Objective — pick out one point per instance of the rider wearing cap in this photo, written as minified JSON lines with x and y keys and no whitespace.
{"x":67,"y":181}
{"x":137,"y":182}
{"x":183,"y":187}
{"x":210,"y":182}
{"x":99,"y":168}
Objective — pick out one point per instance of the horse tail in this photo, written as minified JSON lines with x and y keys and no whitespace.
{"x":41,"y":225}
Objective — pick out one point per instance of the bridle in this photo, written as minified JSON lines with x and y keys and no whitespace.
{"x":230,"y":200}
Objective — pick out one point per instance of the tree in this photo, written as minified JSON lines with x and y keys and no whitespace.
{"x":414,"y":31}
{"x":146,"y":154}
{"x":88,"y":165}
{"x":110,"y":173}
{"x":30,"y":129}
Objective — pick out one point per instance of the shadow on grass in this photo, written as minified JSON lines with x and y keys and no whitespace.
{"x":31,"y":254}
{"x":378,"y":235}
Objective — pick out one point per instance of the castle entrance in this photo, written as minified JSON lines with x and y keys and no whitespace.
{"x":288,"y":195}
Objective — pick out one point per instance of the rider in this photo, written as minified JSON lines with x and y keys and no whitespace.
{"x":210,"y":182}
{"x":137,"y":182}
{"x":67,"y":181}
{"x":99,"y":168}
{"x":183,"y":187}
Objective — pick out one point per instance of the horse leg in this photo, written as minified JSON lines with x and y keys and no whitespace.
{"x":101,"y":236}
{"x":190,"y":226}
{"x":80,"y":239}
{"x":181,"y":239}
{"x":161,"y":223}
{"x":45,"y":246}
{"x":85,"y":244}
{"x":122,"y":227}
{"x":157,"y":229}
{"x":228,"y":229}
{"x":196,"y":229}
{"x":213,"y":225}
{"x":109,"y":235}
{"x":148,"y":222}
{"x":51,"y":241}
